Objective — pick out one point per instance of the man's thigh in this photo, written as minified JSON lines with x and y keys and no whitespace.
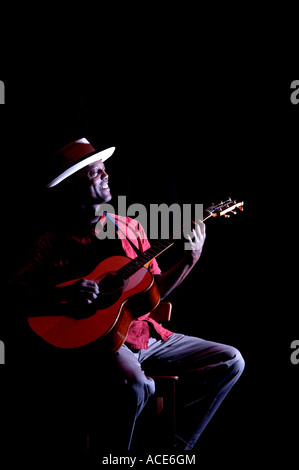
{"x":181,"y":353}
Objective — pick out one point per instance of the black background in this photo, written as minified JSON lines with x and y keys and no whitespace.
{"x":191,"y":124}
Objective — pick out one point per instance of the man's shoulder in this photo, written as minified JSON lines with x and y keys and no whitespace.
{"x":49,"y":240}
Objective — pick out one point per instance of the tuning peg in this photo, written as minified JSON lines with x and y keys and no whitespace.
{"x":226,"y":216}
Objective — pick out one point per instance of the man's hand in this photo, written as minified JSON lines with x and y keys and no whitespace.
{"x":82,"y":292}
{"x":195,"y":244}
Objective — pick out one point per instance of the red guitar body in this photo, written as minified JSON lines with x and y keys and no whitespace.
{"x":118,"y":304}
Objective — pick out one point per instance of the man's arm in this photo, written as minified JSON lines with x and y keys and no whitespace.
{"x":72,"y":300}
{"x":32,"y":289}
{"x":174,"y":276}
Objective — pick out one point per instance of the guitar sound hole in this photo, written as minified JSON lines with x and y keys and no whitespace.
{"x":111,"y":288}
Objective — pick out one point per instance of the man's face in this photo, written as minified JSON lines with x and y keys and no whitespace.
{"x":97,"y":180}
{"x":91,"y":189}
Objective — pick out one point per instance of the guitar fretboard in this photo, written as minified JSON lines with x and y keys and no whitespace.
{"x":222,"y":209}
{"x":156,"y":249}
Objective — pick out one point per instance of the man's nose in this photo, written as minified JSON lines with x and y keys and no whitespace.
{"x":104,"y":175}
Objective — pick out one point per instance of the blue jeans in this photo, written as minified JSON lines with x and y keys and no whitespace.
{"x":207,"y":372}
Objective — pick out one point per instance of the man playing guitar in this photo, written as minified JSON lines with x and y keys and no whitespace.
{"x":72,"y":249}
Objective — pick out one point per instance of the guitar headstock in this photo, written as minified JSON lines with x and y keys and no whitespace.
{"x":225,"y":208}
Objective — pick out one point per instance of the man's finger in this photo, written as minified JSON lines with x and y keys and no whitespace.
{"x":189,"y":239}
{"x":90,"y":285}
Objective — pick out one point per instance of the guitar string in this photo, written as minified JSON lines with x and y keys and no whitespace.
{"x":157,"y":248}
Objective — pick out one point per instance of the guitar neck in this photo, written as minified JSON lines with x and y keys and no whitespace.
{"x":158,"y":247}
{"x":145,"y":258}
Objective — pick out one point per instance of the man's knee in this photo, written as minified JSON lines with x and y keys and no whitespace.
{"x":235,"y":359}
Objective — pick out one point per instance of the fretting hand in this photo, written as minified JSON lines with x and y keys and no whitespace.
{"x":194,"y":246}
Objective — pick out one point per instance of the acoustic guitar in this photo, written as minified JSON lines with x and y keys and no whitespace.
{"x":127,"y":291}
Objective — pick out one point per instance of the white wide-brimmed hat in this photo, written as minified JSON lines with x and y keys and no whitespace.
{"x":73,"y":157}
